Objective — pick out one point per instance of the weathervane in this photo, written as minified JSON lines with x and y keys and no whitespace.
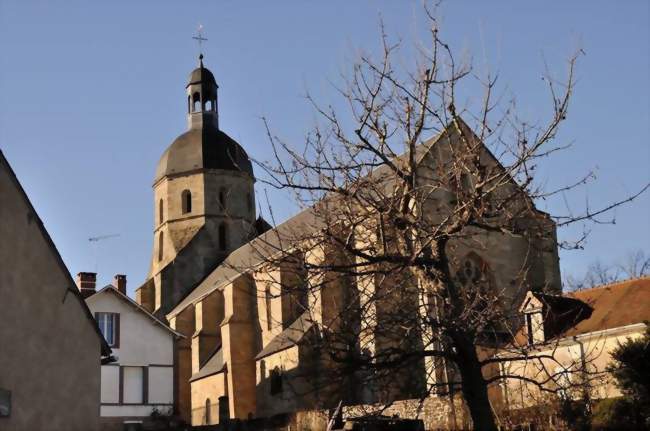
{"x":199,"y":38}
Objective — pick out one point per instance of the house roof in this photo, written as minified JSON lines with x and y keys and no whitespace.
{"x":71,"y":286}
{"x":213,"y":365}
{"x":614,"y":305}
{"x":591,"y":310}
{"x":290,"y":337}
{"x":111,"y":289}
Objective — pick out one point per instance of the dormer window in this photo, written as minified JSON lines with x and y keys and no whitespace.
{"x":529,"y":329}
{"x":533,"y":319}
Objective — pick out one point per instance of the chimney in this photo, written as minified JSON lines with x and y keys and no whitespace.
{"x":119,"y":281}
{"x":86,"y":283}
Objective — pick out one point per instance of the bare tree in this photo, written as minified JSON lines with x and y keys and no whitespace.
{"x":384,"y":255}
{"x":635,"y":264}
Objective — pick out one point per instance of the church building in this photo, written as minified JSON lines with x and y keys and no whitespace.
{"x":244,"y":352}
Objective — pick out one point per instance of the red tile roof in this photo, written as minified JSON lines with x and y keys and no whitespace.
{"x":614,"y":305}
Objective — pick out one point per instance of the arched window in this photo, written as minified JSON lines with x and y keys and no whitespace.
{"x":276,"y":381}
{"x":186,"y":201}
{"x":160,"y":246}
{"x":222,"y":198}
{"x":208,"y":417}
{"x":208,"y":106}
{"x":267,"y":305}
{"x":223,"y":239}
{"x":475,"y":280}
{"x":196,"y":102}
{"x":160,"y":211}
{"x":189,"y":104}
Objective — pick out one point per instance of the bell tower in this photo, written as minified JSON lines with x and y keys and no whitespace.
{"x":203,"y":199}
{"x":202,"y":98}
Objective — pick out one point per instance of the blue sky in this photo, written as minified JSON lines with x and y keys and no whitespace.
{"x":93,"y":93}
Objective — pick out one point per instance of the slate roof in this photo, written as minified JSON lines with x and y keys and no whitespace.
{"x":203,"y":148}
{"x":201,"y":75}
{"x":248,"y":256}
{"x":109,"y":288}
{"x":289,"y":337}
{"x":213,"y":365}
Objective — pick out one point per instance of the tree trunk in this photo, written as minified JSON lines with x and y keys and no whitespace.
{"x":474,"y":386}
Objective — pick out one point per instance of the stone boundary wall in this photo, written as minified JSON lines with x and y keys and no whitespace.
{"x":437,"y":413}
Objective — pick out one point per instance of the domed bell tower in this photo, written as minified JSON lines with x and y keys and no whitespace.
{"x":203,"y":199}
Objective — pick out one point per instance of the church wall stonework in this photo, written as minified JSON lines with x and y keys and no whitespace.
{"x":206,"y":393}
{"x":184,"y":324}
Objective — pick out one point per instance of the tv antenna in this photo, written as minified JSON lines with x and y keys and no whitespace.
{"x":101,"y":237}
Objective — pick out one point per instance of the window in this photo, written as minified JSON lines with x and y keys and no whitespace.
{"x":222,"y":198}
{"x":186,"y":201}
{"x":196,"y":102}
{"x":133,"y":385}
{"x":208,"y":419}
{"x":208,"y":105}
{"x":160,"y":246}
{"x":267,"y":304}
{"x":5,"y":403}
{"x":109,"y":324}
{"x":223,"y":240}
{"x":276,"y":381}
{"x":529,"y":329}
{"x":160,"y":211}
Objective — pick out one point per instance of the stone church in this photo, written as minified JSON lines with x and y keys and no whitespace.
{"x":206,"y":276}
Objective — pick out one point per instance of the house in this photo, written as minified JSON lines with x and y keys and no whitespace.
{"x":51,"y":349}
{"x":141,"y":378}
{"x":569,"y":339}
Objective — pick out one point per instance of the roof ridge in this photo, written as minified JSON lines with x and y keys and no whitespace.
{"x":612,"y":284}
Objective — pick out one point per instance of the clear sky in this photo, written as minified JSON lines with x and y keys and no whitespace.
{"x":91,"y":94}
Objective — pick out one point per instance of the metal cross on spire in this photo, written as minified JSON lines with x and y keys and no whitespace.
{"x":199,"y":38}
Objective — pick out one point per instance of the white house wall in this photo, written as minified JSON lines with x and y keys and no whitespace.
{"x":142,"y":341}
{"x":145,"y":357}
